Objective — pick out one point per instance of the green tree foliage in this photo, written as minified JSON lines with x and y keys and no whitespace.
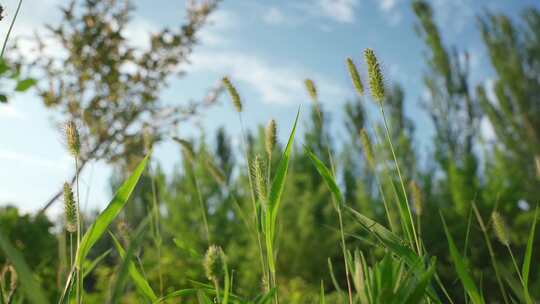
{"x":212,"y":176}
{"x":107,"y":85}
{"x":514,"y":112}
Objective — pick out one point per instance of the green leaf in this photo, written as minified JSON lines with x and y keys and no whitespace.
{"x":417,"y":289}
{"x":3,"y":66}
{"x":126,"y":266}
{"x":177,"y":294}
{"x":461,"y":269}
{"x":528,"y":252}
{"x":3,"y":98}
{"x":279,"y":179}
{"x":140,"y":282}
{"x":266,"y":298}
{"x":29,"y":285}
{"x":322,"y":300}
{"x":91,"y":266}
{"x":327,"y":175}
{"x":25,"y":84}
{"x":118,"y":202}
{"x":203,"y":298}
{"x":274,"y":199}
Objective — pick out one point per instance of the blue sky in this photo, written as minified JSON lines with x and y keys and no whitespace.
{"x":267,"y":48}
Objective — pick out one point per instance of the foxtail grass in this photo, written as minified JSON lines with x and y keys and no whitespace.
{"x":189,"y":157}
{"x":491,"y":252}
{"x":237,"y":103}
{"x":312,"y":91}
{"x":376,"y":86}
{"x":74,"y":147}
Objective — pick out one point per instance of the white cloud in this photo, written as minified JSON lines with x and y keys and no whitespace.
{"x":218,"y":26}
{"x":274,"y":84}
{"x":8,"y":111}
{"x":390,"y":10}
{"x":338,"y":10}
{"x":454,"y":15}
{"x":387,"y":5}
{"x":274,"y":16}
{"x":7,"y":155}
{"x":486,"y":130}
{"x":138,"y":31}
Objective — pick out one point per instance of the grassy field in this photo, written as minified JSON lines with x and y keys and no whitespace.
{"x":291,"y":223}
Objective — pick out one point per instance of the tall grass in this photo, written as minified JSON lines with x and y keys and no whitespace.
{"x":405,"y":272}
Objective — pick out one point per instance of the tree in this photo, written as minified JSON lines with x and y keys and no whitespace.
{"x":514,"y":111}
{"x":453,"y":110}
{"x":108,"y":86}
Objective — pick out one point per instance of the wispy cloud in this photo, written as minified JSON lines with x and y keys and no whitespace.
{"x":387,"y":5}
{"x":218,"y":28}
{"x":273,"y":83}
{"x":339,"y":10}
{"x":9,"y":111}
{"x":454,"y":15}
{"x":274,"y":16}
{"x":33,"y":160}
{"x":390,"y":9}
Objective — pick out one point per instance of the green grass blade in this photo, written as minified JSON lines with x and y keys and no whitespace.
{"x":461,"y":269}
{"x":140,"y":282}
{"x":125,"y":267}
{"x":177,"y":294}
{"x":322,"y":300}
{"x":333,"y":276}
{"x":327,"y":175}
{"x":266,"y":298}
{"x":274,"y":199}
{"x":91,"y":266}
{"x":418,"y":290}
{"x":525,"y":269}
{"x":393,"y":243}
{"x":109,"y":214}
{"x":203,"y":298}
{"x":387,"y":238}
{"x":29,"y":285}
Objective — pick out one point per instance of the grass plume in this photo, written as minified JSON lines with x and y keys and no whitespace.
{"x":355,"y":77}
{"x":376,"y":78}
{"x":233,"y":93}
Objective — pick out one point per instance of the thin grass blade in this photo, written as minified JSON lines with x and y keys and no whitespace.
{"x":29,"y":285}
{"x":125,"y":267}
{"x":461,"y":269}
{"x":140,"y":282}
{"x":528,"y":252}
{"x":109,"y":214}
{"x":91,"y":266}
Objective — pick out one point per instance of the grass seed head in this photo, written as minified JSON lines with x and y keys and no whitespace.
{"x":500,"y":228}
{"x":355,"y":77}
{"x":215,"y":172}
{"x":72,"y":138}
{"x":366,"y":145}
{"x":417,"y":196}
{"x":148,"y":139}
{"x":376,"y":78}
{"x":70,"y":209}
{"x":270,"y":136}
{"x":235,"y":97}
{"x":187,"y":148}
{"x":260,"y":184}
{"x":214,"y":263}
{"x":312,"y":89}
{"x":9,"y":274}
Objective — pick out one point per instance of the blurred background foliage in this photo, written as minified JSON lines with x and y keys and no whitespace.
{"x":114,"y":107}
